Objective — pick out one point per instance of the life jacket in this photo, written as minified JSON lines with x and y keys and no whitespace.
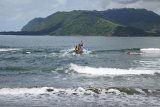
{"x":79,"y":47}
{"x":76,"y":48}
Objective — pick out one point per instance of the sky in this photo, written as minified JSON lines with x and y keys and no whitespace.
{"x":14,"y":14}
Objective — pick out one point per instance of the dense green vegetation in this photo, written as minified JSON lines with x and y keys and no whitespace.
{"x":72,"y":23}
{"x":138,"y":18}
{"x":131,"y":31}
{"x":115,"y":22}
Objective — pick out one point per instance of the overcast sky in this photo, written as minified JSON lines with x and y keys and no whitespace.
{"x":14,"y":14}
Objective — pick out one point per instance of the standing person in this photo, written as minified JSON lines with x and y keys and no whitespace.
{"x":81,"y":45}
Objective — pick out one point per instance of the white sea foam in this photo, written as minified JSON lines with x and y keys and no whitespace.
{"x":74,"y":91}
{"x":69,"y":52}
{"x":113,"y":91}
{"x":51,"y":55}
{"x":107,"y":71}
{"x":49,"y":96}
{"x":134,"y":53}
{"x":28,"y":52}
{"x":150,"y":50}
{"x":9,"y":49}
{"x":42,"y":90}
{"x":48,"y":90}
{"x":17,"y":91}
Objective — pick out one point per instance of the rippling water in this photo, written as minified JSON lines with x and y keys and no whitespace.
{"x":112,"y":71}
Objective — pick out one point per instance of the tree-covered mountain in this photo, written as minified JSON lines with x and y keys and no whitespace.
{"x":139,"y":18}
{"x":116,"y":22}
{"x":71,"y":23}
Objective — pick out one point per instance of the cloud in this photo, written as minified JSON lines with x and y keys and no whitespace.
{"x":16,"y":13}
{"x":153,"y":5}
{"x":19,"y":12}
{"x":126,"y":1}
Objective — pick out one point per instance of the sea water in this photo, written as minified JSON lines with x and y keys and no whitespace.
{"x":112,"y":71}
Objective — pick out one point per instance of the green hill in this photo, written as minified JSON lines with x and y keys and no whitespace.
{"x":72,"y":23}
{"x":87,"y":23}
{"x":138,"y":18}
{"x":33,"y":24}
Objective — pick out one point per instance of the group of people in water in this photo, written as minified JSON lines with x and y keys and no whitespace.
{"x":79,"y":48}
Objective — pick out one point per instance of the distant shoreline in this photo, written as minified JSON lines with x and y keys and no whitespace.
{"x":32,"y":33}
{"x":20,"y":33}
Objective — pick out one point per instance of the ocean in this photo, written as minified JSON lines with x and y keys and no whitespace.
{"x":43,"y":71}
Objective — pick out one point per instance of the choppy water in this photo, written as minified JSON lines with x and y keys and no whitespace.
{"x":112,"y":71}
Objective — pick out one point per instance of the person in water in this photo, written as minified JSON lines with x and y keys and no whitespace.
{"x":79,"y":47}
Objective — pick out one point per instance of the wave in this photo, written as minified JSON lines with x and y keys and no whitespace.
{"x":70,"y":52}
{"x":78,"y":91}
{"x":86,"y":51}
{"x":145,"y":50}
{"x":150,"y":50}
{"x":107,"y":71}
{"x":9,"y":49}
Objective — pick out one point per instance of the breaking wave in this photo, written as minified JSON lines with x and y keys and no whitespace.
{"x":9,"y":49}
{"x":108,"y":71}
{"x":144,"y":50}
{"x":150,"y":50}
{"x":78,"y":91}
{"x":70,"y":52}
